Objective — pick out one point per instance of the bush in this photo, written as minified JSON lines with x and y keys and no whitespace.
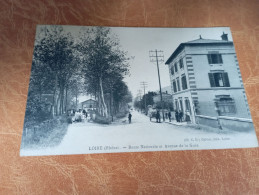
{"x":121,"y":114}
{"x":102,"y":120}
{"x":44,"y":134}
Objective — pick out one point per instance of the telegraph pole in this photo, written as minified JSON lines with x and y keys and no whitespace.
{"x":139,"y":96}
{"x":158,"y":57}
{"x":144,"y":85}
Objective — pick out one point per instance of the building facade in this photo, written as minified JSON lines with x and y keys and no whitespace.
{"x":206,"y":80}
{"x":89,"y":104}
{"x":165,"y":96}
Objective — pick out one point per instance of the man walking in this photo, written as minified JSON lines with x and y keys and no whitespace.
{"x":158,"y":117}
{"x":176,"y":116}
{"x":129,"y":117}
{"x":169,"y":116}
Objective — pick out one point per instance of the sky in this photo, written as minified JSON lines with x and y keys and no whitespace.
{"x":138,"y":41}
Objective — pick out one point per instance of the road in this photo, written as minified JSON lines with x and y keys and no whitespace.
{"x":140,"y":135}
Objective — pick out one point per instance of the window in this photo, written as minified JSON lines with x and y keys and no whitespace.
{"x":219,"y":79}
{"x":181,"y":63}
{"x":172,"y":70}
{"x":176,"y":105}
{"x":225,"y":105}
{"x":175,"y":67}
{"x":215,"y":58}
{"x":184,"y":82}
{"x":178,"y":84}
{"x":187,"y":105}
{"x":174,"y":86}
{"x":181,"y":105}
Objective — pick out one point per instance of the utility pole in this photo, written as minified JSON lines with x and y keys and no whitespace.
{"x":139,"y":96}
{"x":158,"y":57}
{"x":144,"y":85}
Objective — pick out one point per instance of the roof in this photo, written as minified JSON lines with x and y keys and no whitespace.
{"x":207,"y":41}
{"x":196,"y":42}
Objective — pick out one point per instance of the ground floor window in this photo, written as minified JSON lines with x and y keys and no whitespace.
{"x":187,"y":105}
{"x":181,"y":105}
{"x":176,"y":105}
{"x":225,"y":105}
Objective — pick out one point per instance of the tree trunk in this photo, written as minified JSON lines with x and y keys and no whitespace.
{"x":66,"y":101}
{"x":54,"y":107}
{"x":102,"y":98}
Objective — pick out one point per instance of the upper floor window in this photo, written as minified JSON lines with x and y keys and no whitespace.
{"x":172,"y":70}
{"x":219,"y":79}
{"x":184,"y":82}
{"x":181,"y":63}
{"x":178,"y":84}
{"x":215,"y":58}
{"x":175,"y":67}
{"x":174,"y":86}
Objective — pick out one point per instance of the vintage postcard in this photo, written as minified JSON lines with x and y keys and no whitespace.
{"x":123,"y":89}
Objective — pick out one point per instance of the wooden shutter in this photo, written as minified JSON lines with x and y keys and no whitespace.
{"x":225,"y":79}
{"x":212,"y":81}
{"x":209,"y":59}
{"x":220,"y":59}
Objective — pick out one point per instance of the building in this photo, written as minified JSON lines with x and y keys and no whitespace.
{"x":165,"y":96}
{"x":206,"y":81}
{"x":89,"y":104}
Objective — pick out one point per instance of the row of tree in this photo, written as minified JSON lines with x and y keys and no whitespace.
{"x":66,"y":65}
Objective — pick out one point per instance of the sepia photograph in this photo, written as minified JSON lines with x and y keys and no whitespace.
{"x":99,"y":89}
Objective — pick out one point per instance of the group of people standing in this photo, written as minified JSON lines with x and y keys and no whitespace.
{"x":79,"y":115}
{"x":168,"y":115}
{"x":179,"y":116}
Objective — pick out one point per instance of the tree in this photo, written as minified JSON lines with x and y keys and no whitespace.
{"x":55,"y":49}
{"x":103,"y":64}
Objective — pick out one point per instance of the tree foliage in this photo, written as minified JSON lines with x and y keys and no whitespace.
{"x":65,"y":67}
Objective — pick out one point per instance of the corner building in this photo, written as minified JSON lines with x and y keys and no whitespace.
{"x":206,"y":80}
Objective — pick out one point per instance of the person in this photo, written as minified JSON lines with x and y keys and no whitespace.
{"x":176,"y":116}
{"x":130,"y":115}
{"x":169,"y":116}
{"x":180,"y":116}
{"x":150,"y":115}
{"x":158,"y":117}
{"x":166,"y":115}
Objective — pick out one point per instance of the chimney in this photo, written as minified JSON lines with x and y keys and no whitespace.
{"x":224,"y":37}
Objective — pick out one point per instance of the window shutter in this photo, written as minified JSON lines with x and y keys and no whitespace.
{"x":226,"y":80}
{"x":220,"y":59}
{"x":212,"y":81}
{"x":209,"y":58}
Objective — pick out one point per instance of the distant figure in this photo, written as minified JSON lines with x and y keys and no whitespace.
{"x":176,"y":116}
{"x":169,"y":116}
{"x":158,"y":120}
{"x":166,"y":115}
{"x":180,"y":116}
{"x":150,"y":116}
{"x":129,"y":117}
